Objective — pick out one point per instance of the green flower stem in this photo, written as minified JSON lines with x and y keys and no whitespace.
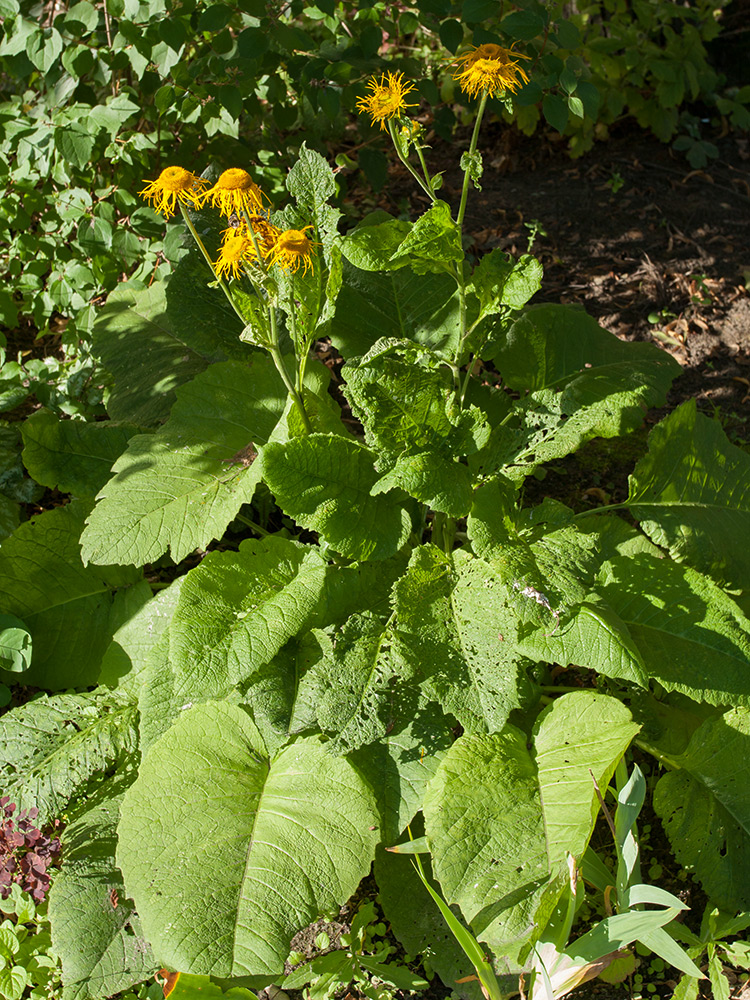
{"x":425,"y":187}
{"x":472,"y":150}
{"x":254,"y":240}
{"x":600,"y":510}
{"x":222,"y":284}
{"x":273,"y":349}
{"x":427,"y":177}
{"x":443,"y":531}
{"x":459,"y":222}
{"x":251,"y":524}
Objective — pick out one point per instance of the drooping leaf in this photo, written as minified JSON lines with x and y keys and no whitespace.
{"x":178,"y":489}
{"x":55,"y":748}
{"x":71,"y":610}
{"x":692,"y":637}
{"x":705,"y":807}
{"x":155,"y":339}
{"x":691,"y":493}
{"x":433,"y":243}
{"x":499,"y":816}
{"x":371,"y":305}
{"x":552,"y":345}
{"x":226,"y":809}
{"x":94,"y":927}
{"x":371,"y":245}
{"x":549,"y":425}
{"x":73,"y":456}
{"x":235,"y":612}
{"x":499,"y":281}
{"x":590,"y":635}
{"x":324,"y":483}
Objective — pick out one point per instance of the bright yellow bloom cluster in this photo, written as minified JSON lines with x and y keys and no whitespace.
{"x":172,"y":185}
{"x":490,"y":69}
{"x":234,"y":192}
{"x":292,"y":249}
{"x":236,"y":250}
{"x":388,"y":98}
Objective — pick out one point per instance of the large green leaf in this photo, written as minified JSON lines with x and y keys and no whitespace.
{"x":705,"y":807}
{"x":590,"y":635}
{"x":401,"y":397}
{"x":371,"y":245}
{"x":546,"y":607}
{"x":447,"y":635}
{"x":579,"y":734}
{"x":500,"y":814}
{"x":400,"y":765}
{"x":56,"y":748}
{"x":407,"y":401}
{"x":235,"y":612}
{"x":548,"y":425}
{"x":360,"y":700}
{"x":179,"y":488}
{"x":126,"y":656}
{"x":73,"y":456}
{"x":324,"y":483}
{"x":435,"y":480}
{"x":371,"y":305}
{"x":152,"y":340}
{"x":94,"y":927}
{"x":285,"y":694}
{"x":237,"y":609}
{"x":550,"y":345}
{"x":71,"y":610}
{"x":245,"y":851}
{"x":692,"y":637}
{"x":407,"y":405}
{"x":691,"y":493}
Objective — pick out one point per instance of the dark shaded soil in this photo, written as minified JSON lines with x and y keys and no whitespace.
{"x":651,"y":248}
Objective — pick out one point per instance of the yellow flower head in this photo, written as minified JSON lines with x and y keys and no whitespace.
{"x":234,"y":191}
{"x":490,"y":69}
{"x":236,"y":250}
{"x":291,"y":249}
{"x":266,"y":233}
{"x":173,"y":184}
{"x":387,"y":99}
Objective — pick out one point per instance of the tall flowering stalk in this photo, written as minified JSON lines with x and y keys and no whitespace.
{"x":249,"y":248}
{"x":484,"y":71}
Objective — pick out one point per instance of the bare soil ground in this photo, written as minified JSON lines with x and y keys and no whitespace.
{"x":629,"y":231}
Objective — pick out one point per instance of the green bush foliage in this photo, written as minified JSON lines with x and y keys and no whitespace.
{"x":93,"y":96}
{"x":267,"y":633}
{"x":373,"y":628}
